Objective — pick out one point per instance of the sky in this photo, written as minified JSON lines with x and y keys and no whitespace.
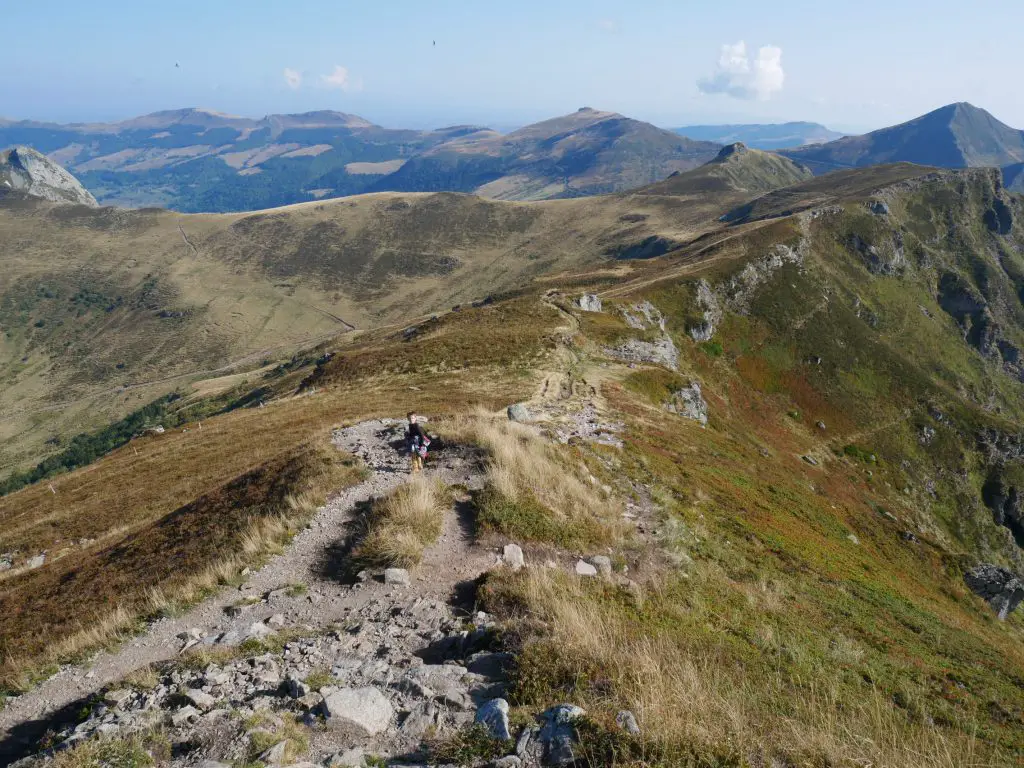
{"x":852,"y":66}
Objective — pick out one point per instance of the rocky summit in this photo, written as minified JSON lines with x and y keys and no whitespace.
{"x":25,"y":170}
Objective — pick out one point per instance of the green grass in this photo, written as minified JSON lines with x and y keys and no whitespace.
{"x":526,"y":519}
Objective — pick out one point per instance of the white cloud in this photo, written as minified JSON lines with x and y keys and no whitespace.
{"x":339,"y":79}
{"x":743,"y":77}
{"x":293,"y":78}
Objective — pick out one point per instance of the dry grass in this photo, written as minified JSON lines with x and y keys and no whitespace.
{"x":400,"y":526}
{"x":698,"y":701}
{"x":176,"y":561}
{"x":533,"y":489}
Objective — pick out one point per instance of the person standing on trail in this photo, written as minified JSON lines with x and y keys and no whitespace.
{"x":417,"y":441}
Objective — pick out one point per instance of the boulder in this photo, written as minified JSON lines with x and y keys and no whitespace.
{"x":201,"y":699}
{"x":584,"y":568}
{"x":367,"y":709}
{"x":1000,"y":587}
{"x":259,"y":631}
{"x":350,"y":758}
{"x":879,"y":207}
{"x":518,"y":412}
{"x":590,"y":302}
{"x":184,"y":715}
{"x":494,"y":717}
{"x":512,"y":555}
{"x":275,"y":755}
{"x":36,"y":562}
{"x":626,"y":720}
{"x":603,"y":564}
{"x":398,"y":577}
{"x":509,"y":761}
{"x":558,"y":734}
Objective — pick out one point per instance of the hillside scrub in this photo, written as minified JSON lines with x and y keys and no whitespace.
{"x":52,"y":618}
{"x":532,"y":491}
{"x":400,"y":526}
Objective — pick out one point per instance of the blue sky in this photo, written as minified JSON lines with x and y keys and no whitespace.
{"x":849,"y":65}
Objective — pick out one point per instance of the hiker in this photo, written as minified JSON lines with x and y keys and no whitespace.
{"x":417,"y":441}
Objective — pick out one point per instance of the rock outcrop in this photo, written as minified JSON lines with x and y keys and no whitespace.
{"x":1000,"y":587}
{"x":24,"y":170}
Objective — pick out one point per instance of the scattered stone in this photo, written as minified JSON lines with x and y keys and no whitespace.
{"x":276,"y":754}
{"x":296,"y":688}
{"x":879,"y":207}
{"x":365,"y":708}
{"x":277,"y":620}
{"x":183,"y":716}
{"x":36,"y":562}
{"x":351,"y":758}
{"x":558,"y":734}
{"x":512,"y":555}
{"x":518,"y":412}
{"x":584,"y":568}
{"x":590,"y":302}
{"x":491,"y":665}
{"x":603,"y":564}
{"x":421,"y":719}
{"x":820,"y":425}
{"x":201,"y":699}
{"x":118,"y":697}
{"x":909,"y":536}
{"x":229,"y":638}
{"x":213,"y":764}
{"x":626,"y":720}
{"x":1000,"y":587}
{"x":494,"y":717}
{"x":810,"y":460}
{"x":662,"y":352}
{"x":509,"y":761}
{"x":398,"y":577}
{"x":259,"y":631}
{"x":853,"y":538}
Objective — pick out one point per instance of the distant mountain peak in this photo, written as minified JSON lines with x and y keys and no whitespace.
{"x":731,"y":150}
{"x":23,"y":169}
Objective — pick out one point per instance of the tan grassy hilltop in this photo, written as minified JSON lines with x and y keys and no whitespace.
{"x":760,"y":488}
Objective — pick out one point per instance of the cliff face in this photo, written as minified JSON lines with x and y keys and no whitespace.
{"x":24,"y":170}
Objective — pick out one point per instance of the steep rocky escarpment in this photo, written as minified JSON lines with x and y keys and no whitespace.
{"x":25,"y":170}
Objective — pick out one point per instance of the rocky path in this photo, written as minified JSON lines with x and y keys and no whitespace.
{"x":302,"y":589}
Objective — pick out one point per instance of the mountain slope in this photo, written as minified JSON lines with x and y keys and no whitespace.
{"x":769,"y":136}
{"x":24,"y":170}
{"x":789,"y":440}
{"x":735,"y":169}
{"x":584,"y":153}
{"x":955,"y":136}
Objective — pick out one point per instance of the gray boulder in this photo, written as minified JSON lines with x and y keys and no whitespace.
{"x":626,"y":720}
{"x":494,"y":717}
{"x":396,"y":576}
{"x":584,"y":568}
{"x":1000,"y":587}
{"x":518,"y":412}
{"x":558,"y":734}
{"x":590,"y":302}
{"x":512,"y":555}
{"x":603,"y":564}
{"x":201,"y":699}
{"x":367,"y":709}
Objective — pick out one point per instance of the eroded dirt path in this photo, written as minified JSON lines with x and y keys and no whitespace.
{"x":306,"y":584}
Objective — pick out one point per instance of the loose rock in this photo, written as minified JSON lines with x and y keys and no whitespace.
{"x":494,"y":717}
{"x":398,"y":577}
{"x":584,"y":568}
{"x":512,"y":555}
{"x":365,"y":708}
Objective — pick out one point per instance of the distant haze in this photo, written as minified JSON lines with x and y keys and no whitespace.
{"x":848,"y":66}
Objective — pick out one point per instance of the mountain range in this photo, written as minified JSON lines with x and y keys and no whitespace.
{"x":770,"y":136}
{"x":955,"y":136}
{"x":195,"y":160}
